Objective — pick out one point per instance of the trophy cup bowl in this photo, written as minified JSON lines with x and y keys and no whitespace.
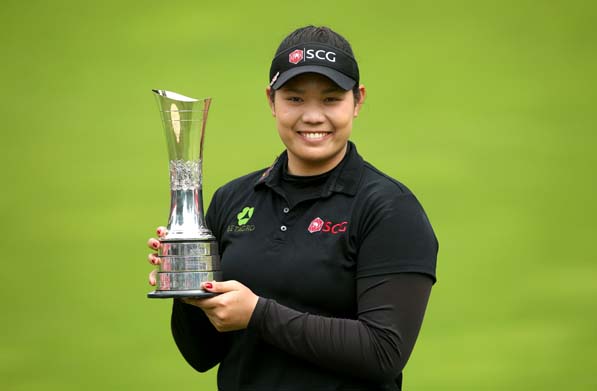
{"x":188,"y":253}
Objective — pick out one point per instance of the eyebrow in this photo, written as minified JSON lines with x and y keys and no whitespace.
{"x":333,"y":89}
{"x":294,"y":89}
{"x":326,"y":91}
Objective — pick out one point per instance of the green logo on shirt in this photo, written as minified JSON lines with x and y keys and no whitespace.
{"x":244,"y":216}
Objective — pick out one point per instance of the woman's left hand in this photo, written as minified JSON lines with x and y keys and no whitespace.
{"x":231,"y":309}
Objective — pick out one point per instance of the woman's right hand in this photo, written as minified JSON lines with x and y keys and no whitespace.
{"x":154,"y":244}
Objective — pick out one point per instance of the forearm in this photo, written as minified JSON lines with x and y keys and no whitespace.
{"x":198,"y":341}
{"x":329,"y":342}
{"x":374,"y":346}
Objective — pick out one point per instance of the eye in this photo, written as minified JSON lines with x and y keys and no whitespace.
{"x":296,"y":99}
{"x":332,"y":99}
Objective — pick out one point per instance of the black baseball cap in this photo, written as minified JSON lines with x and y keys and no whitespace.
{"x":314,"y":57}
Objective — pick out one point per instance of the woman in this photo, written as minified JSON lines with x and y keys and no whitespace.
{"x":328,"y":263}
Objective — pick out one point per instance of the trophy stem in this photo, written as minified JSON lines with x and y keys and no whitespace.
{"x":186,"y":219}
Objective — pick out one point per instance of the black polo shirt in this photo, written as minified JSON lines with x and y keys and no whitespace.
{"x":307,"y":254}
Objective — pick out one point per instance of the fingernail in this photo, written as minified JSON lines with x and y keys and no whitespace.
{"x":208,"y":285}
{"x":160,"y":231}
{"x":154,"y":244}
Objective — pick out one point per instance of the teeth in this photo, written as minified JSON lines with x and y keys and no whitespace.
{"x":314,"y":135}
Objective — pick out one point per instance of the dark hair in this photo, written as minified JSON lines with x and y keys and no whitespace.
{"x":321,"y":34}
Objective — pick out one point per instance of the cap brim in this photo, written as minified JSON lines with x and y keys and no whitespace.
{"x":343,"y":81}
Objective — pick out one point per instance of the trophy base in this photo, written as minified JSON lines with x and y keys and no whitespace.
{"x":196,"y":294}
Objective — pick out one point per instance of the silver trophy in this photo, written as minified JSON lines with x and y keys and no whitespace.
{"x":189,"y":252}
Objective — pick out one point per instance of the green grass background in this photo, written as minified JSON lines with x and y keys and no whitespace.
{"x":486,"y":109}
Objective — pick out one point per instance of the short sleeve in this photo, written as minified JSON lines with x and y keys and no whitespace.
{"x":396,"y":237}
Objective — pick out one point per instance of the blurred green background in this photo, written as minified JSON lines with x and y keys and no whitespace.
{"x":485,"y":109}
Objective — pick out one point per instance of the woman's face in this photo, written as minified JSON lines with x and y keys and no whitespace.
{"x":314,"y":119}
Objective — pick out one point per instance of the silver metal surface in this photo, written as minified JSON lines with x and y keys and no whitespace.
{"x":185,"y":249}
{"x":184,"y":122}
{"x":204,"y":263}
{"x":189,"y":252}
{"x":185,"y":280}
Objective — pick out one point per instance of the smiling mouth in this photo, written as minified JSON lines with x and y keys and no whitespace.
{"x":314,"y":135}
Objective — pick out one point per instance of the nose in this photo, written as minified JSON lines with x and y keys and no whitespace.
{"x":313,"y":114}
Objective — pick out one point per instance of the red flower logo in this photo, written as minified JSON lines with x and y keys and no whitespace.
{"x":315,"y":225}
{"x":296,"y":56}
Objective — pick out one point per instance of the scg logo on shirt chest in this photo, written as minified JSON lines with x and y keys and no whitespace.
{"x":318,"y":225}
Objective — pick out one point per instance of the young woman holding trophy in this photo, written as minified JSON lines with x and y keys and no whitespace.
{"x":327,"y":262}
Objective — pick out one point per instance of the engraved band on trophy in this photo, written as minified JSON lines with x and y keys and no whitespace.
{"x":189,"y":252}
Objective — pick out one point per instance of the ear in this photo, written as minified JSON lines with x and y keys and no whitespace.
{"x":359,"y":103}
{"x":270,"y":101}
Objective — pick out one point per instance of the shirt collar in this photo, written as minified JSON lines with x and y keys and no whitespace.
{"x":345,"y":179}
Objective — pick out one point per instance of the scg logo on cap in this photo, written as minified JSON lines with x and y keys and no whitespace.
{"x":296,"y":56}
